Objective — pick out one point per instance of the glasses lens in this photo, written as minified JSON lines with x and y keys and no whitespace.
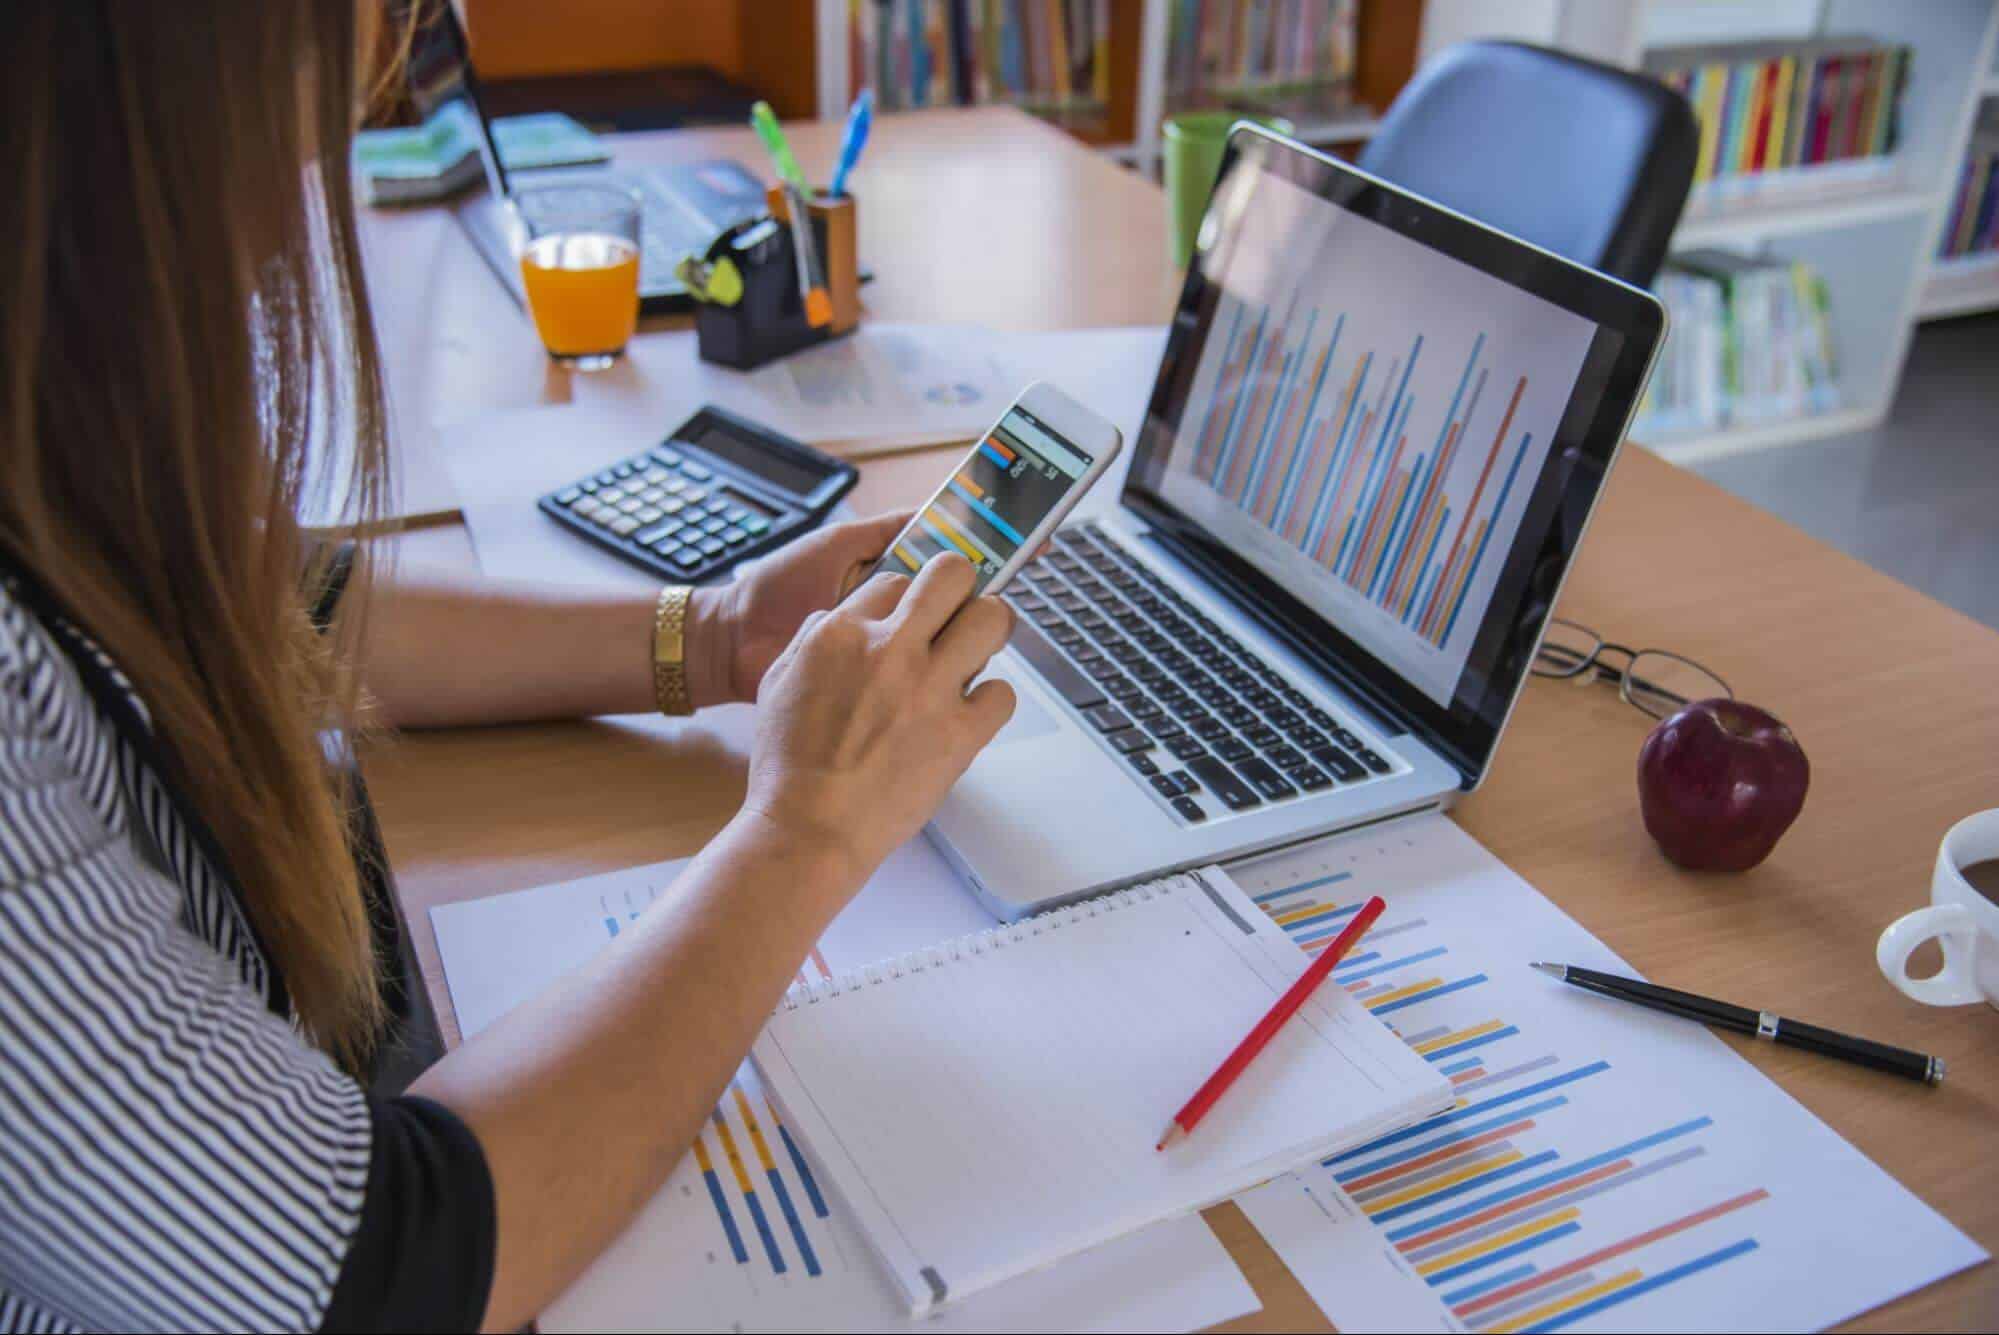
{"x":1660,"y":683}
{"x":1566,"y":649}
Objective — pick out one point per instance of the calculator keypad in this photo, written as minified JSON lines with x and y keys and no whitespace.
{"x":655,"y":501}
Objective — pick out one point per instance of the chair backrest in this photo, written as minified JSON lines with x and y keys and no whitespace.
{"x":1583,"y":159}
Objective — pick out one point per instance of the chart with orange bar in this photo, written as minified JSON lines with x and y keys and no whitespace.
{"x":1371,"y":424}
{"x":1000,"y":493}
{"x":1604,"y":1167}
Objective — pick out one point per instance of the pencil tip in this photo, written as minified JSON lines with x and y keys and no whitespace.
{"x":1173,"y":1133}
{"x":1552,"y":970}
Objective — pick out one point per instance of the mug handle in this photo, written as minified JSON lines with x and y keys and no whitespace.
{"x":1953,"y":985}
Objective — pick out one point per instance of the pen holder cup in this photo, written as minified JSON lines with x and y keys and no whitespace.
{"x":767,"y":319}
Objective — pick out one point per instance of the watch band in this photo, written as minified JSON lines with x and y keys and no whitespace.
{"x":669,"y":651}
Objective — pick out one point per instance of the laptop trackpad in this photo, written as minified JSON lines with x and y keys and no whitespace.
{"x":1030,"y":719}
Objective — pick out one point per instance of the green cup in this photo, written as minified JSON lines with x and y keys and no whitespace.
{"x":1191,"y":158}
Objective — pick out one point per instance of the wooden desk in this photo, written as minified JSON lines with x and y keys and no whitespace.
{"x":1891,"y":693}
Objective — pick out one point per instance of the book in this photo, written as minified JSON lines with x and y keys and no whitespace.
{"x":990,"y":1105}
{"x":1770,"y":106}
{"x":412,"y":164}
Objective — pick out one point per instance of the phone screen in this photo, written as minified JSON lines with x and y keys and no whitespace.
{"x":1003,"y":489}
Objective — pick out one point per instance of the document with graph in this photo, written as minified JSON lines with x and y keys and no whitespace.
{"x":744,"y":1236}
{"x":1602,"y":1168}
{"x":991,"y":1104}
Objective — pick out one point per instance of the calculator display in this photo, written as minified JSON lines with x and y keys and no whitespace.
{"x":786,"y":474}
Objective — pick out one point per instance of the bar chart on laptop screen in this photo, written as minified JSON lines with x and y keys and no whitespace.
{"x":1368,"y":418}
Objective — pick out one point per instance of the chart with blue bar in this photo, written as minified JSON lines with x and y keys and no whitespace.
{"x":1603,"y":1168}
{"x":1002,"y":491}
{"x":1367,"y":422}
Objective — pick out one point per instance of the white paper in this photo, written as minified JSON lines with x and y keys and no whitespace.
{"x":901,"y":383}
{"x":1560,"y":1087}
{"x":677,"y":1268}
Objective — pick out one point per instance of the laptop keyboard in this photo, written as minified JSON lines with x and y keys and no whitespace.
{"x":1190,"y":711}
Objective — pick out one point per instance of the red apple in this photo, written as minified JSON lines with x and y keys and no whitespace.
{"x":1719,"y":783}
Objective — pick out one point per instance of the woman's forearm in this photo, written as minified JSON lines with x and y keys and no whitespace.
{"x":444,"y":651}
{"x":585,"y":1098}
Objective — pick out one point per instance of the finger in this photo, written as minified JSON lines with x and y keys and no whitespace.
{"x":880,"y":596}
{"x":975,"y":634}
{"x":988,"y":707}
{"x":935,"y":595}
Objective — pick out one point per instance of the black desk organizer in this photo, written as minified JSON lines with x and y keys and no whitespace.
{"x":768,"y":320}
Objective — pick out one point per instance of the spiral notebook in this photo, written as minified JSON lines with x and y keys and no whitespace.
{"x":990,"y":1105}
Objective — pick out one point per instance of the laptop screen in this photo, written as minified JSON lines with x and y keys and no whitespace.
{"x":1375,"y":409}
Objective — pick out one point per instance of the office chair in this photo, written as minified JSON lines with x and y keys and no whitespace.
{"x":1586,"y":160}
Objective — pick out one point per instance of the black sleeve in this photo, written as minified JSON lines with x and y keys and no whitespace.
{"x":422,"y":1256}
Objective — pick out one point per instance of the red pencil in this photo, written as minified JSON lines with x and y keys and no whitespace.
{"x":1205,"y":1097}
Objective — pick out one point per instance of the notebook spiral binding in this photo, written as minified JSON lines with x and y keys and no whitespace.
{"x":974,"y":944}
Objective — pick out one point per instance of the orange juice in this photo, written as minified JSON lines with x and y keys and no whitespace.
{"x":583,"y":290}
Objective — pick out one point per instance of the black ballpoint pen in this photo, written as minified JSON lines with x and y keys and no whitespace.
{"x":1763,"y":1024}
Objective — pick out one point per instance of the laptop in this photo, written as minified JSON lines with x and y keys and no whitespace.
{"x":1376,"y":435}
{"x":684,"y":206}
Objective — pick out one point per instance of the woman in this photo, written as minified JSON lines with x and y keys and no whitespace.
{"x":190,"y":985}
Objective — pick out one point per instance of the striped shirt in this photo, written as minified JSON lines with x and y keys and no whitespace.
{"x":173,"y":1155}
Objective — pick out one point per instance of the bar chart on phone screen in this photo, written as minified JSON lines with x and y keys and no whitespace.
{"x":1368,"y":409}
{"x":1604,"y":1168}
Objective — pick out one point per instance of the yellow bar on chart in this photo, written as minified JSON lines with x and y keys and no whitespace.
{"x":756,"y":1131}
{"x":1567,"y":1302}
{"x":966,"y":482}
{"x":902,"y":554}
{"x":1290,"y":916}
{"x":957,"y":539}
{"x":1446,"y":1040}
{"x":730,"y":1152}
{"x":1402,"y":992}
{"x":1449,"y":1179}
{"x":1498,"y":1240}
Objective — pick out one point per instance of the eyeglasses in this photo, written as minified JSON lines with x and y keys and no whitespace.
{"x":1653,"y":680}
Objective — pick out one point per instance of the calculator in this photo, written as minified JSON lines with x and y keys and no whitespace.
{"x":718,"y":491}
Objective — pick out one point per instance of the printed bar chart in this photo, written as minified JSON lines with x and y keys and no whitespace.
{"x":1574,"y":1182}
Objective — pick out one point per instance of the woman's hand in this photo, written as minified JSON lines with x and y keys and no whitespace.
{"x":737,"y":631}
{"x":866,"y":721}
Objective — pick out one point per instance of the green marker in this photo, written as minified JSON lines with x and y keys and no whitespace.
{"x":764,"y":121}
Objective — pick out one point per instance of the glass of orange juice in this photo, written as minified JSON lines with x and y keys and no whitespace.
{"x":579,"y":256}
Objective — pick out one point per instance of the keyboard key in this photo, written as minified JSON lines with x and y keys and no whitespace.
{"x":588,"y":485}
{"x":1061,"y":631}
{"x":1050,"y":619}
{"x":1346,"y":739}
{"x":1320,"y":718}
{"x":1210,"y":729}
{"x":1166,"y":785}
{"x":737,"y":514}
{"x":1164,"y":728}
{"x":1342,"y":765}
{"x":1224,"y":783}
{"x":653,"y":495}
{"x":1129,"y":740}
{"x":755,"y":524}
{"x":1372,"y":761}
{"x":710,"y":546}
{"x":1311,"y":778}
{"x":1085,"y":655}
{"x":1123,"y":689}
{"x":714,"y":524}
{"x":1057,"y":671}
{"x":1283,"y":755}
{"x":693,"y":495}
{"x":622,"y":470}
{"x":667,"y":456}
{"x":569,"y":496}
{"x":734,"y":536}
{"x":606,"y":478}
{"x":1106,"y":718}
{"x":1269,"y":784}
{"x":1262,"y":737}
{"x":686,"y":558}
{"x":664,"y":546}
{"x":623,"y":525}
{"x":1283,"y":719}
{"x":1026,"y":602}
{"x":651,"y":514}
{"x":1103,"y":669}
{"x":1186,"y":748}
{"x":1233,"y":749}
{"x":696,"y":471}
{"x":1189,"y":808}
{"x":1143,"y":763}
{"x":1305,"y":738}
{"x":1238,"y":715}
{"x":1146,"y":708}
{"x":655,"y":532}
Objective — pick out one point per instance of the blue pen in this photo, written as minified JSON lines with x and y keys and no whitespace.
{"x":859,"y":117}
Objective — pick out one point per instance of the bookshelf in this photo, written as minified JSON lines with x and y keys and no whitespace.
{"x":1870,"y":229}
{"x":1385,"y":53}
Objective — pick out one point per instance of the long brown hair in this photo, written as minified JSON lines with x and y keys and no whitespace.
{"x":185,"y":327}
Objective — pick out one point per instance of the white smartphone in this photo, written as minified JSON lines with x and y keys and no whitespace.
{"x":1012,"y":489}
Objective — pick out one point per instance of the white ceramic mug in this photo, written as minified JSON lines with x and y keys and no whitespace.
{"x":1962,"y":920}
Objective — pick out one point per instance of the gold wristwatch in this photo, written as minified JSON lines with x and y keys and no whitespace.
{"x":669,"y":651}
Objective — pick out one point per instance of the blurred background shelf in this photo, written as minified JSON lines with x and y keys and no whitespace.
{"x":1966,"y":285}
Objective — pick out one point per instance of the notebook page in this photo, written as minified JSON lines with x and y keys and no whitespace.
{"x":991,"y":1105}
